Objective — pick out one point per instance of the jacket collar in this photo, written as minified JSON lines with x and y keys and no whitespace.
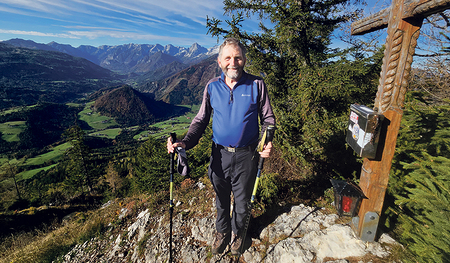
{"x":243,"y":77}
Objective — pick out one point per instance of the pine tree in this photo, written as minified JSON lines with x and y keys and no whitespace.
{"x":424,"y":128}
{"x":79,"y":175}
{"x":151,"y":167}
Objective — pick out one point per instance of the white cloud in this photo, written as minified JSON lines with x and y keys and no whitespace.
{"x":37,"y":5}
{"x":11,"y":10}
{"x":180,"y":39}
{"x":35,"y":33}
{"x":192,"y":9}
{"x":158,"y":11}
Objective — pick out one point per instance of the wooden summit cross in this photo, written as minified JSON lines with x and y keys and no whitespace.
{"x":403,"y":20}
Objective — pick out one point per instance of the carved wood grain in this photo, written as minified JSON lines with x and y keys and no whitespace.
{"x":407,"y":72}
{"x":387,"y":86}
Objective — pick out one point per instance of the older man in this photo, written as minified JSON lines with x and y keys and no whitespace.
{"x":238,"y":100}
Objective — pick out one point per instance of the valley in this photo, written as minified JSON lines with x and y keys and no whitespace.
{"x":73,"y":120}
{"x":99,"y":126}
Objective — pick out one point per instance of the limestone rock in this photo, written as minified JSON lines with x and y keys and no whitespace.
{"x":300,"y":234}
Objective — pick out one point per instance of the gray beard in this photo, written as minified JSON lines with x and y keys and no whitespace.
{"x":232,"y":75}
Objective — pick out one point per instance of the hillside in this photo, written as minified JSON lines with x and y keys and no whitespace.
{"x":131,"y":107}
{"x":186,"y":86}
{"x":38,"y":65}
{"x":29,"y":76}
{"x":153,"y":62}
{"x":161,"y":73}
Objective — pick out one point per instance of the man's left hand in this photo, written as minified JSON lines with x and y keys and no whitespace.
{"x":266,"y":150}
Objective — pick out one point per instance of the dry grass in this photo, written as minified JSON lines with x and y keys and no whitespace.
{"x":39,"y":247}
{"x":46,"y":245}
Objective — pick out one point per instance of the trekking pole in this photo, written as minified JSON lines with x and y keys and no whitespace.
{"x":173,"y":137}
{"x":267,"y":137}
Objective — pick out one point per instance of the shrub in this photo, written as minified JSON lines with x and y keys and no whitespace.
{"x":426,"y":208}
{"x":420,"y":181}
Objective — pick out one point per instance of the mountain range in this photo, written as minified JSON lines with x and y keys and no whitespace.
{"x":127,"y":58}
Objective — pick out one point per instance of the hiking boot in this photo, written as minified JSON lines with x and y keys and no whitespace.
{"x":236,"y":243}
{"x":221,"y":240}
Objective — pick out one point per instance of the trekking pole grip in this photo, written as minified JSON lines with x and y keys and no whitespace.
{"x":270,"y":131}
{"x":173,"y":139}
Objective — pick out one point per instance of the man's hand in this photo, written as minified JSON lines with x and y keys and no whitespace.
{"x":171,"y":146}
{"x":266,"y":150}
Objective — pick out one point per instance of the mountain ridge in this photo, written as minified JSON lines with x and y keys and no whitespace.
{"x":49,"y":65}
{"x":28,"y":76}
{"x":126,"y":58}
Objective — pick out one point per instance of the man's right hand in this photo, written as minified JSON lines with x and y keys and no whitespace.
{"x":171,"y":146}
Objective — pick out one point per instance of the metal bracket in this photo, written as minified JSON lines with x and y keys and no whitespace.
{"x":369,"y":226}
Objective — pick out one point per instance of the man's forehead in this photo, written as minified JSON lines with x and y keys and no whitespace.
{"x":231,"y":48}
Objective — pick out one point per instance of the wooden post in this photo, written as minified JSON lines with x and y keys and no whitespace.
{"x":403,"y":21}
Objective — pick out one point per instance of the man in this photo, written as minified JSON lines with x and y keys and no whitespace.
{"x":238,"y":99}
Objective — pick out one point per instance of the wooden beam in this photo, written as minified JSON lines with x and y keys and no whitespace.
{"x":424,"y":8}
{"x":371,"y":23}
{"x":412,"y":9}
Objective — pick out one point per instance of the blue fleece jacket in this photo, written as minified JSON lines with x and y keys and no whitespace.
{"x":235,"y":112}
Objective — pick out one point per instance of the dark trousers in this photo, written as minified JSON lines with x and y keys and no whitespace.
{"x":232,"y":172}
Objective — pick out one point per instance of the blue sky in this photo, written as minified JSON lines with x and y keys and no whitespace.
{"x":115,"y":22}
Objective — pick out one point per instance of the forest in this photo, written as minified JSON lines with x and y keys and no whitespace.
{"x":311,"y":87}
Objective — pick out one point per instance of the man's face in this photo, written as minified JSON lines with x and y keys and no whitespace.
{"x":232,"y":62}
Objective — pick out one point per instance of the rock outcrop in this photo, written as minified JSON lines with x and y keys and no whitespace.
{"x":299,"y":234}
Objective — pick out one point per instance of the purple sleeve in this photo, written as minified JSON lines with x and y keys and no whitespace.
{"x":266,"y":115}
{"x":199,"y":123}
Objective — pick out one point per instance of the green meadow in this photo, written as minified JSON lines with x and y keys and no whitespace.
{"x":53,"y":155}
{"x":108,"y":133}
{"x":16,"y":109}
{"x":179,"y":125}
{"x":73,"y":104}
{"x":11,"y":130}
{"x":30,"y":173}
{"x":94,"y":119}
